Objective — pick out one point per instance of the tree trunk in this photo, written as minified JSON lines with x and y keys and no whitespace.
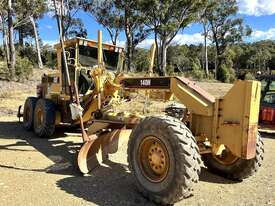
{"x":5,"y":40}
{"x":11,"y":42}
{"x":163,"y":56}
{"x":216,"y":64}
{"x":129,"y":44}
{"x":128,"y":53}
{"x":157,"y":53}
{"x":205,"y":51}
{"x":40,"y":63}
{"x":21,"y":37}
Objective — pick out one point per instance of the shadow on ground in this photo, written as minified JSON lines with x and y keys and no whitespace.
{"x":62,"y":153}
{"x":270,"y":135}
{"x":111,"y":184}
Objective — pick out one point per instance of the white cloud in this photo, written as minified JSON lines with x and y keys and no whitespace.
{"x":49,"y":42}
{"x":258,"y":35}
{"x":256,"y":7}
{"x":118,"y":43}
{"x":179,"y":39}
{"x":147,"y":43}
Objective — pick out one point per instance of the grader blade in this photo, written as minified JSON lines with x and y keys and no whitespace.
{"x":93,"y":153}
{"x":84,"y":160}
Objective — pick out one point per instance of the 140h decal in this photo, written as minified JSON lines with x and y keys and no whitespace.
{"x":145,"y":82}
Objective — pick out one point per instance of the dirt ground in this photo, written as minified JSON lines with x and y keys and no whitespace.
{"x":36,"y":171}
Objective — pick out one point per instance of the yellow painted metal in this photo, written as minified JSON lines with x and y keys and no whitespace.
{"x":99,"y":53}
{"x":229,"y":122}
{"x":94,"y":152}
{"x":194,"y":102}
{"x":238,"y":119}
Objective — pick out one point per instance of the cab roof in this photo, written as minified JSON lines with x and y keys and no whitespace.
{"x":89,"y":43}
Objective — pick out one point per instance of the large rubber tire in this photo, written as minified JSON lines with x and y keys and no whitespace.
{"x":28,"y":113}
{"x":184,"y":159}
{"x":239,"y":169}
{"x":44,"y":118}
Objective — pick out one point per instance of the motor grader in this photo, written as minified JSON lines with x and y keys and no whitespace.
{"x":165,"y":152}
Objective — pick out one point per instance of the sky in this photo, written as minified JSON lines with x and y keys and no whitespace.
{"x":258,"y":14}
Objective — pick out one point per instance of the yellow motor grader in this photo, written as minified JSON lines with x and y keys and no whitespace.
{"x":165,"y":152}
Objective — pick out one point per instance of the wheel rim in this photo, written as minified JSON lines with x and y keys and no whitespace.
{"x":153,"y":159}
{"x":40,"y":118}
{"x":226,"y":157}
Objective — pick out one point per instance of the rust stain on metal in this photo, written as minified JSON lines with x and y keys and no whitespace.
{"x":249,"y":149}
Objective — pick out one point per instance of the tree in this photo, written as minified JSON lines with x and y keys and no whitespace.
{"x":12,"y":57}
{"x":106,"y":14}
{"x":3,"y":20}
{"x":27,"y":12}
{"x":133,"y":25}
{"x":24,"y":31}
{"x":166,"y":18}
{"x":141,"y":60}
{"x":72,"y":25}
{"x":206,"y":29}
{"x":226,"y":29}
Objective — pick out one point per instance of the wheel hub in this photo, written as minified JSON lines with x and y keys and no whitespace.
{"x":156,"y":158}
{"x":153,"y":159}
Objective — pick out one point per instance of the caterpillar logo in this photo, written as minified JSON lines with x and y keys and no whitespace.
{"x":145,"y":82}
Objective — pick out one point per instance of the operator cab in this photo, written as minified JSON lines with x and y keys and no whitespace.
{"x":267,"y":109}
{"x":81,"y":57}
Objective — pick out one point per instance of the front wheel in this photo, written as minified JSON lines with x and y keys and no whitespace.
{"x":164,"y":158}
{"x":235,"y":168}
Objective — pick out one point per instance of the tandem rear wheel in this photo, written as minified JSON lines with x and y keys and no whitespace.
{"x":232,"y":167}
{"x":44,"y":118}
{"x":28,"y":113}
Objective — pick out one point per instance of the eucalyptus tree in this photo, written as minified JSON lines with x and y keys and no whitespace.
{"x":4,"y":30}
{"x":108,"y":15}
{"x":12,"y":55}
{"x":226,"y":29}
{"x":27,"y":13}
{"x":134,"y":25}
{"x":166,"y":18}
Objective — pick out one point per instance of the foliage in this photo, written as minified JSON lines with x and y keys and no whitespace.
{"x":28,"y":52}
{"x":226,"y":29}
{"x":23,"y":69}
{"x":106,"y":14}
{"x":134,"y":22}
{"x":166,"y":18}
{"x":49,"y":57}
{"x":141,"y":60}
{"x":72,"y":25}
{"x":249,"y":76}
{"x":226,"y":74}
{"x":23,"y":10}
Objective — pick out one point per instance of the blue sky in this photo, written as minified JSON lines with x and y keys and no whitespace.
{"x":258,"y":14}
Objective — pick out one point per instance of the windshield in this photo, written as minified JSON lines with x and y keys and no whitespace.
{"x":88,"y":57}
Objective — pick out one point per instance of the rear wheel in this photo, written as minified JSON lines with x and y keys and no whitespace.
{"x":164,"y":158}
{"x":232,"y":167}
{"x":28,"y":114}
{"x":44,"y":118}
